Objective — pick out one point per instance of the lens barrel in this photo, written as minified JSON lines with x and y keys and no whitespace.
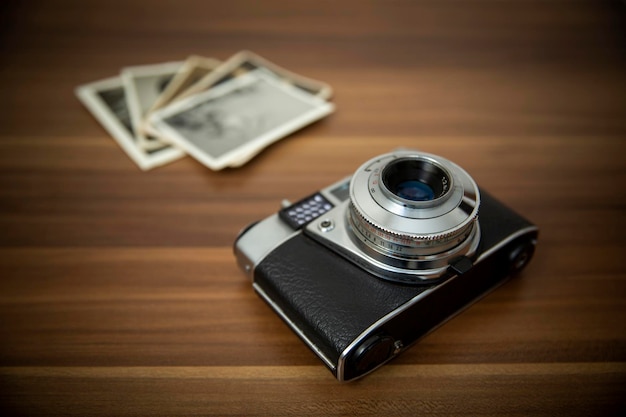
{"x":414,"y":211}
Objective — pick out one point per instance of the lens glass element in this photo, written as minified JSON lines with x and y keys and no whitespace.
{"x":414,"y":191}
{"x":415,"y":179}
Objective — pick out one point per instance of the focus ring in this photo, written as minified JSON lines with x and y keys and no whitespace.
{"x":405,"y":245}
{"x":410,"y":236}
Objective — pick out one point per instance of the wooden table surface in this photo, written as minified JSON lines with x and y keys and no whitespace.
{"x":119,"y":292}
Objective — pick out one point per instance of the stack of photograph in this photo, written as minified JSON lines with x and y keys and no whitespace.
{"x":220,"y":113}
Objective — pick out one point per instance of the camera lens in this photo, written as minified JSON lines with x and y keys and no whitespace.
{"x":415,"y":179}
{"x":412,"y":213}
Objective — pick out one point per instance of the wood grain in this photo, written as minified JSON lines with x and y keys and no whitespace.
{"x":119,"y":292}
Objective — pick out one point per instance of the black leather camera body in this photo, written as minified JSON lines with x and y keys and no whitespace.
{"x":365,"y":267}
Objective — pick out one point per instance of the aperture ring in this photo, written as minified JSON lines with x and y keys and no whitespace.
{"x":406,"y":245}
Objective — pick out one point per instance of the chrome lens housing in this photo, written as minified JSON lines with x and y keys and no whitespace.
{"x":414,"y":211}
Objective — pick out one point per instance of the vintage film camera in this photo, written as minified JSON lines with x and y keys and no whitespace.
{"x":365,"y":267}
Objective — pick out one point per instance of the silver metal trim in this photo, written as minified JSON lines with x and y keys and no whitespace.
{"x":342,"y":239}
{"x":328,"y":191}
{"x":261,"y":239}
{"x":294,"y":327}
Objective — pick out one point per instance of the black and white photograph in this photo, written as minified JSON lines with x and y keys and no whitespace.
{"x":246,"y":61}
{"x":106,"y":100}
{"x":237,"y":118}
{"x":193,"y":70}
{"x":144,"y":84}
